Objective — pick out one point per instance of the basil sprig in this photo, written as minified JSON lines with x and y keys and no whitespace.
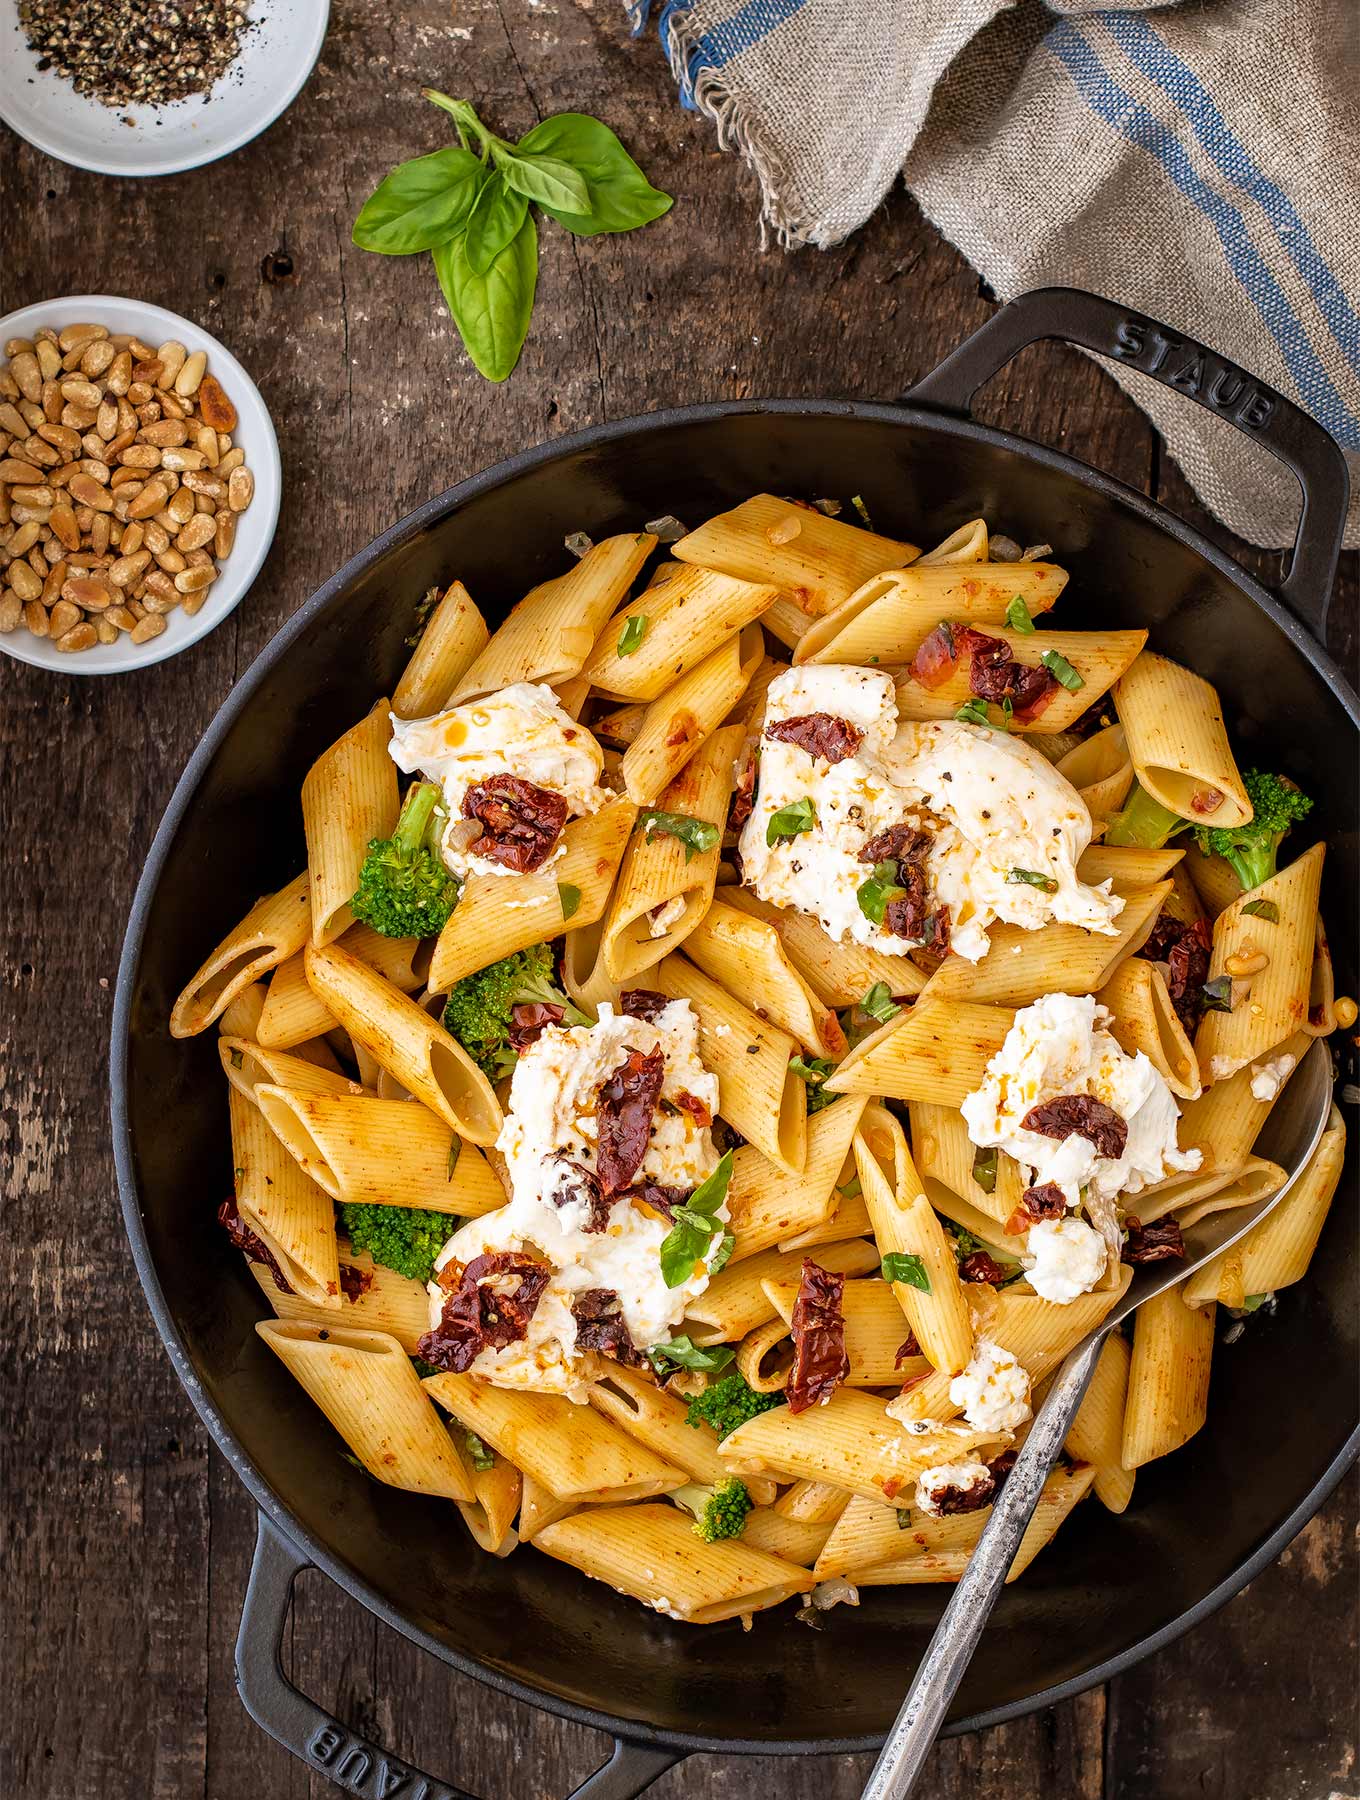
{"x":790,"y":820}
{"x":813,"y":1070}
{"x":693,"y":1228}
{"x":469,"y":205}
{"x":1061,"y":670}
{"x":879,"y":1003}
{"x":694,"y":834}
{"x":684,"y":1353}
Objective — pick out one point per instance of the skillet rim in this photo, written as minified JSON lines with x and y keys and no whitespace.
{"x":415,"y":522}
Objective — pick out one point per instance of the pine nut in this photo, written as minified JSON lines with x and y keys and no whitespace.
{"x":11,"y":469}
{"x":226,"y":534}
{"x":127,"y":568}
{"x":140,"y":456}
{"x":23,"y":540}
{"x":164,"y":432}
{"x":182,"y":459}
{"x":120,"y":618}
{"x":191,"y":373}
{"x":49,"y":360}
{"x":75,"y":337}
{"x":56,"y":579}
{"x":207,"y":443}
{"x":1344,"y":1010}
{"x":192,"y":581}
{"x":172,"y":562}
{"x":11,"y":611}
{"x":32,"y":496}
{"x":120,"y":373}
{"x":151,"y":499}
{"x":35,"y":617}
{"x":96,"y":357}
{"x":79,"y":637}
{"x":1244,"y":962}
{"x":146,"y":629}
{"x":63,"y":616}
{"x":25,"y":370}
{"x":181,"y":507}
{"x":24,"y":582}
{"x":87,"y":591}
{"x":240,"y":489}
{"x":104,"y":631}
{"x":200,"y":530}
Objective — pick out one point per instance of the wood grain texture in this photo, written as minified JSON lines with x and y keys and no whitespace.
{"x":128,"y":1539}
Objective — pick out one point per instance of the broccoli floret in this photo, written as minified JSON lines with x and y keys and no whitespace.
{"x":1252,"y":849}
{"x":729,"y":1403}
{"x":720,"y":1511}
{"x":1144,"y":822}
{"x":404,"y":889}
{"x":477,"y":1011}
{"x":404,"y":1238}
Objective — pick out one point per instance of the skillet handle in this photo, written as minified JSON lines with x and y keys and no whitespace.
{"x":1186,"y":367}
{"x":320,"y":1741}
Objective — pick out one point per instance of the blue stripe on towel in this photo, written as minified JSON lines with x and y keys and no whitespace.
{"x":1128,"y":116}
{"x":1154,"y":57}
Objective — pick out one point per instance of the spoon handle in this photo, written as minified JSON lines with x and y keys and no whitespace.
{"x":956,"y":1636}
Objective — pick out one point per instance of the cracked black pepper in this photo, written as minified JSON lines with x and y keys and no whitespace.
{"x":136,"y":52}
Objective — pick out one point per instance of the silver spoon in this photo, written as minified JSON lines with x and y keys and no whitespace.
{"x":1289,"y":1138}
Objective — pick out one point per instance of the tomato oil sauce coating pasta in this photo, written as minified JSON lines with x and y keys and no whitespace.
{"x":845,"y":972}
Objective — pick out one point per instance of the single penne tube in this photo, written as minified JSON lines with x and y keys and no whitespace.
{"x":571,"y":1450}
{"x":1101,"y":771}
{"x":380,"y":1152}
{"x":905,"y":1225}
{"x":247,"y":1066}
{"x":1021,"y":965}
{"x":240,"y":1018}
{"x":499,"y":914}
{"x":1038,"y":1333}
{"x":414,"y":1048}
{"x":849,"y":1217}
{"x":1001,"y":1245}
{"x":683,"y":715}
{"x":683,"y":620}
{"x":1061,"y":1492}
{"x":618,"y":728}
{"x":348,"y":798}
{"x":793,"y":1540}
{"x":365,"y":1384}
{"x":653,"y":1554}
{"x":657,"y":1419}
{"x":376,"y":1298}
{"x":293,"y":1218}
{"x":549,"y":633}
{"x":664,"y":885}
{"x":928,"y":1569}
{"x":539,"y":1508}
{"x":454,"y":636}
{"x":295,"y":1014}
{"x":1098,"y":657}
{"x":497,"y":1494}
{"x":766,"y":1203}
{"x":892,"y":614}
{"x":758,"y":1093}
{"x":1225,"y":1121}
{"x":1214,"y":878}
{"x":1179,"y":743}
{"x":943,"y":1152}
{"x":813,"y":1502}
{"x":1127,"y":867}
{"x":734,"y":1302}
{"x":745,"y":955}
{"x":1191,"y":1197}
{"x":584,"y":974}
{"x":815,"y":562}
{"x":874,"y":1331}
{"x":1143,"y":1018}
{"x":966,"y":544}
{"x":869,"y":1534}
{"x":851,"y":1442}
{"x":837,"y":974}
{"x":1096,"y":1435}
{"x":1270,"y":964}
{"x":1276,"y":1253}
{"x":765,"y":1357}
{"x":1168,"y":1377}
{"x":274,"y":929}
{"x":937,"y":1050}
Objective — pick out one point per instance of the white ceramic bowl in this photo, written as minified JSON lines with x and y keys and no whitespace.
{"x":255,"y":526}
{"x":278,"y":53}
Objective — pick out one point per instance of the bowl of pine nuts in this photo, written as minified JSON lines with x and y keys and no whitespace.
{"x":139,"y":484}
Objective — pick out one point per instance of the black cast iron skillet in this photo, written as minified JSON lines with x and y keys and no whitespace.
{"x":1281,"y":1425}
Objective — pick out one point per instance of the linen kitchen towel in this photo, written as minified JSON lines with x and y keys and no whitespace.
{"x":1199,"y":162}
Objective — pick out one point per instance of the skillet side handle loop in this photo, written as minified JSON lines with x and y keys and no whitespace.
{"x":1187,"y":367}
{"x":353,"y":1763}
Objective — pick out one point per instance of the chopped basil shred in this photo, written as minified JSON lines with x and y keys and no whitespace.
{"x":570,"y":897}
{"x":1018,"y":616}
{"x":1217,"y":994}
{"x":879,"y":1003}
{"x":876,"y":894}
{"x":984,"y":1169}
{"x":693,"y":1228}
{"x":974,"y":712}
{"x":479,"y":1455}
{"x":1263,"y":909}
{"x":684,"y":1353}
{"x":634,"y":630}
{"x":1032,"y":878}
{"x":852,"y":1188}
{"x":900,"y":1265}
{"x":798,"y":816}
{"x":1061,"y":670}
{"x":455,"y":1151}
{"x":903,"y":1518}
{"x":857,"y":501}
{"x":694,"y":834}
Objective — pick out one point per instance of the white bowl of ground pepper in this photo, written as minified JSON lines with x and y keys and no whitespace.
{"x":149,"y":87}
{"x":139,"y":484}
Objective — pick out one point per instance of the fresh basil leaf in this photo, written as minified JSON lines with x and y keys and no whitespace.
{"x":1263,"y":909}
{"x":496,"y":216}
{"x":423,"y":1369}
{"x":1032,"y":878}
{"x":693,"y":1227}
{"x":712,"y":1191}
{"x":899,"y":1265}
{"x":974,"y":712}
{"x":455,"y":1151}
{"x":422,"y":203}
{"x":492,"y":311}
{"x":570,"y":896}
{"x":694,"y":834}
{"x":544,"y":179}
{"x":814,"y":1072}
{"x":875,"y":896}
{"x":621,"y":197}
{"x":684,"y":1353}
{"x":479,"y":1455}
{"x":1062,"y":670}
{"x":718,"y":1259}
{"x":634,"y":630}
{"x":1252,"y":1301}
{"x":984,"y":1169}
{"x":879,"y":1003}
{"x":1217,"y":994}
{"x":1018,"y":616}
{"x":798,"y":816}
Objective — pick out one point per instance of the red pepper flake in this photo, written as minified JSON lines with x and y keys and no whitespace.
{"x":1160,"y":1241}
{"x":1079,"y":1115}
{"x":820,"y":1363}
{"x":520,"y":823}
{"x":820,"y":734}
{"x":600,"y":1326}
{"x":478,"y":1317}
{"x":251,"y":1245}
{"x":1044,"y":1202}
{"x":891,"y":1486}
{"x":626,"y":1105}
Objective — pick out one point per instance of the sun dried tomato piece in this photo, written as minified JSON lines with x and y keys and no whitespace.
{"x":908,"y":1347}
{"x":642,"y":1003}
{"x":249,"y":1242}
{"x":820,"y":734}
{"x":1046,"y":1201}
{"x":968,"y":1497}
{"x":663,"y":1200}
{"x":937,"y":658}
{"x":694,"y":1106}
{"x":1160,"y":1241}
{"x":906,"y":916}
{"x":354,"y":1282}
{"x":582,"y":1184}
{"x":520,"y":823}
{"x":995,"y":675}
{"x":1185,"y":949}
{"x":527,"y":1019}
{"x":900,"y":843}
{"x":937,"y":932}
{"x":978,"y":1266}
{"x":477,"y":1316}
{"x":600,"y":1326}
{"x":999,"y":1467}
{"x":820,"y":1364}
{"x":1079,"y":1115}
{"x":624,"y":1109}
{"x":744,"y":796}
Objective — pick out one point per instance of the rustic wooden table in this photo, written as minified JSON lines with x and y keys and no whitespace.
{"x":127,"y":1539}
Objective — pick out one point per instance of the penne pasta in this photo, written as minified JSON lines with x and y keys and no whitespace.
{"x":454,"y":637}
{"x":1225,"y":1121}
{"x":967,"y":544}
{"x":766,"y":1203}
{"x":684,"y":619}
{"x":295,"y":1014}
{"x":497,"y":1497}
{"x":376,"y":1298}
{"x":348,"y":799}
{"x":1062,"y":1491}
{"x":274,"y":929}
{"x":638,"y":1406}
{"x":246,"y":1066}
{"x":290,"y":1215}
{"x":837,"y":974}
{"x":943,"y":1152}
{"x":891,"y":615}
{"x":1178,"y":742}
{"x":1097,"y":1433}
{"x":735,"y":1301}
{"x":1101,"y":771}
{"x":744,"y":954}
{"x":874,"y":1338}
{"x":1099,"y":658}
{"x":679,"y":720}
{"x":938,"y":1050}
{"x":1142,"y":1018}
{"x":1168,"y":1377}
